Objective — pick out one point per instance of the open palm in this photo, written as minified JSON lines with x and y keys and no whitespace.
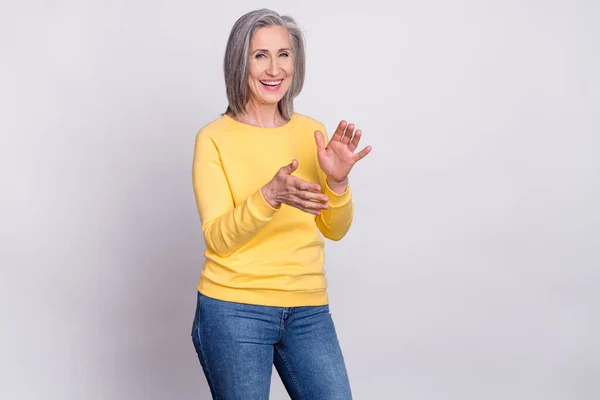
{"x":338,"y":157}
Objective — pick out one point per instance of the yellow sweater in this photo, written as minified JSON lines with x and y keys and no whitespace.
{"x":257,"y":254}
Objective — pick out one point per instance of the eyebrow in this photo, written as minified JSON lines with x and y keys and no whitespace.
{"x":266,"y":51}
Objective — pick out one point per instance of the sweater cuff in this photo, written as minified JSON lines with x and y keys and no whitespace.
{"x":259,"y":207}
{"x":336,"y":199}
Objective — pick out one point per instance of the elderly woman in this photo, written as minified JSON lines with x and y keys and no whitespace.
{"x":268,"y":183}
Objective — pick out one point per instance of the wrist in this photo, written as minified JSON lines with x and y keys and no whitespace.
{"x":338,"y":187}
{"x":268,"y":196}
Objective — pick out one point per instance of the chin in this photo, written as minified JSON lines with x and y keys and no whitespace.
{"x":271,"y":100}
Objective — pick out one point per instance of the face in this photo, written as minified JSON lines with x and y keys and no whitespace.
{"x":271,"y":65}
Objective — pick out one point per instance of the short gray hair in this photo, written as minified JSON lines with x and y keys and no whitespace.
{"x":237,"y":58}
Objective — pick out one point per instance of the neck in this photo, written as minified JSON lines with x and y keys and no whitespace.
{"x":262,"y":115}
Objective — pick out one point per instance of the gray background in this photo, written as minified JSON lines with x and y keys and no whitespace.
{"x":471,"y":271}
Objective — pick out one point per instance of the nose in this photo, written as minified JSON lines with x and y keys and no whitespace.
{"x":273,"y":69}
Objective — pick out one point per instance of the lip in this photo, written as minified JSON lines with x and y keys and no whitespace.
{"x":271,"y":88}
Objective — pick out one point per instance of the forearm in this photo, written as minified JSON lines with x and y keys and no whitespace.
{"x":225,"y":225}
{"x":335,"y":221}
{"x":230,"y":231}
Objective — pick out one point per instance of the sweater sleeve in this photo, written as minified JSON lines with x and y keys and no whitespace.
{"x":335,"y":221}
{"x":225,"y":227}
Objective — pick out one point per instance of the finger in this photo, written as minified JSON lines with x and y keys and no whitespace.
{"x":359,"y":156}
{"x":339,"y":131}
{"x":309,"y":205}
{"x":312,"y":196}
{"x":291,"y":167}
{"x":355,"y":140}
{"x":348,"y":134}
{"x":300,"y":184}
{"x":320,"y":140}
{"x":300,"y":207}
{"x":314,"y":212}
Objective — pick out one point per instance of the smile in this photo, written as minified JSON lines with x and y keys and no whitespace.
{"x":272,"y":84}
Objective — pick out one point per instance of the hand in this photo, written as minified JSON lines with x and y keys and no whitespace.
{"x":285,"y":188}
{"x":338,"y":158}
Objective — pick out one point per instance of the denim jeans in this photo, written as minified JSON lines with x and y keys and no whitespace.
{"x":237,"y":345}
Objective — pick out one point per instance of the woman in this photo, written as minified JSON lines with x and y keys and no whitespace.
{"x":267,"y":185}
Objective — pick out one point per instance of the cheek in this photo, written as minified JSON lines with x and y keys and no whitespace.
{"x":252,"y":73}
{"x":253,"y":76}
{"x":289,"y":67}
{"x":289,"y":72}
{"x":254,"y":70}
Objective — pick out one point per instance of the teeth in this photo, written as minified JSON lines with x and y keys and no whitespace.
{"x":271,"y":83}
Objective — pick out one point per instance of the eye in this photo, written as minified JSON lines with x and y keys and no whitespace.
{"x":284,"y":55}
{"x":260,"y":55}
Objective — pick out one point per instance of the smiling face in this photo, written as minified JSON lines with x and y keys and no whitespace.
{"x":271,"y":65}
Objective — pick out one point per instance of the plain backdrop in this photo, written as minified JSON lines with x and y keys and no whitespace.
{"x":472,"y":267}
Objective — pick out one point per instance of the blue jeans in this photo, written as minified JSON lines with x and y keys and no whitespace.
{"x":237,"y":345}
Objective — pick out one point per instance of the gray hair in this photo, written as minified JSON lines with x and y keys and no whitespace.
{"x":237,"y":58}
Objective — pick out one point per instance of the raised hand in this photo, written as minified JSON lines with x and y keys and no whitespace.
{"x":338,"y":158}
{"x":285,"y":188}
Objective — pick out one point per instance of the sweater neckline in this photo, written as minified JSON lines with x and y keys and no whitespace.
{"x":255,"y":129}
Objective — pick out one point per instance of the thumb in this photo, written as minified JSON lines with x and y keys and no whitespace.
{"x":291,"y":167}
{"x":320,"y":141}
